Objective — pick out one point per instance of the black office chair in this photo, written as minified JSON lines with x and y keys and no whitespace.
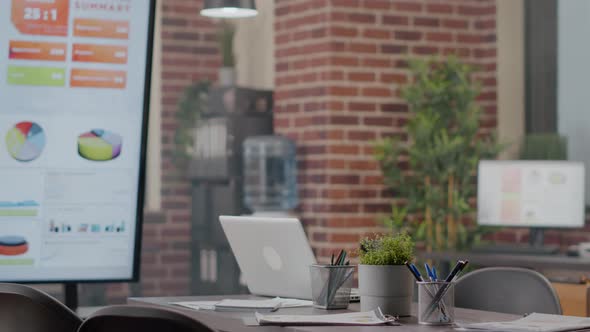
{"x":125,"y":318}
{"x":23,"y":308}
{"x":507,"y":289}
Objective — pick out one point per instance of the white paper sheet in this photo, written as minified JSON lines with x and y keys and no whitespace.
{"x":238,"y":304}
{"x":533,"y":323}
{"x":369,"y":318}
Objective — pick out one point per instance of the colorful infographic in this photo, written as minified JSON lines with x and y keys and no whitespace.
{"x":42,"y":51}
{"x":98,"y":28}
{"x":19,"y":209}
{"x":73,"y":79}
{"x":99,"y":145}
{"x":13,"y":245}
{"x":47,"y":18}
{"x":25,"y":142}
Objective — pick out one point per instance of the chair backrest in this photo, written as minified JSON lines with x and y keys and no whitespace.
{"x":124,"y":318}
{"x":507,"y":290}
{"x":23,"y":308}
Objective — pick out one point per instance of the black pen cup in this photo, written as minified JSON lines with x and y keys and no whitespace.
{"x":436,"y":303}
{"x":330,"y":285}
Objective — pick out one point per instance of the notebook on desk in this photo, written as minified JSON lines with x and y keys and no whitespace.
{"x":273,"y":255}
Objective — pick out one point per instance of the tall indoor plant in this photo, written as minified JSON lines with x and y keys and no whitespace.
{"x":433,"y":171}
{"x":384,"y":280}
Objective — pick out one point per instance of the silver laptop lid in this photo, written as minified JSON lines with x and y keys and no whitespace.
{"x":273,"y":254}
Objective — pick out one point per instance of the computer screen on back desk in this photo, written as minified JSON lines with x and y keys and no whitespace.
{"x":531,"y":193}
{"x":73,"y":97}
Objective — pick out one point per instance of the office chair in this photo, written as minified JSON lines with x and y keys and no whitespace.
{"x":125,"y":318}
{"x":507,"y":290}
{"x":23,"y":308}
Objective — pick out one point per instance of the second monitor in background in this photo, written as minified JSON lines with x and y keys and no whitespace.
{"x":534,"y":194}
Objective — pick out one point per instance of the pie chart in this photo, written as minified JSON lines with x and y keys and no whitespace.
{"x":99,"y":145}
{"x":13,"y":245}
{"x":25,"y":141}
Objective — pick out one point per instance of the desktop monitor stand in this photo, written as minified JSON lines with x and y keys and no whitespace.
{"x":536,"y":246}
{"x":71,"y":295}
{"x":536,"y":237}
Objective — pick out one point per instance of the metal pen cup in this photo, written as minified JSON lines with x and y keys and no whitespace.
{"x":436,"y":303}
{"x":330,"y":285}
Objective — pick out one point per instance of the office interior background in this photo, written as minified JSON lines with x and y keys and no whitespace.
{"x":329,"y":74}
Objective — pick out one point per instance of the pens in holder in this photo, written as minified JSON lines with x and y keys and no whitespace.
{"x":441,"y":292}
{"x":337,"y":274}
{"x":416,"y":273}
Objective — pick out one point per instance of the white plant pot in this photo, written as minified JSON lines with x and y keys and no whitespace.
{"x":227,"y":76}
{"x":389,"y":287}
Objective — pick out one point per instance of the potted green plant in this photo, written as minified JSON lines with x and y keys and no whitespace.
{"x":227,"y":73}
{"x":432,"y":170}
{"x":192,"y":104}
{"x":384,"y":280}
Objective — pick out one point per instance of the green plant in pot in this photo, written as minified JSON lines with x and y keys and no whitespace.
{"x":432,"y":170}
{"x":192,"y":104}
{"x":384,"y":280}
{"x":225,"y":37}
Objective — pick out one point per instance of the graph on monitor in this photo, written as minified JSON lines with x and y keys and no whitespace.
{"x":25,"y":141}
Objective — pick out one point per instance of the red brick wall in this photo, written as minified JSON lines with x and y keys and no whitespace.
{"x":339,"y":67}
{"x":189,"y":54}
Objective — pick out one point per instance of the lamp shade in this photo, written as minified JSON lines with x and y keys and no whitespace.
{"x":229,"y":8}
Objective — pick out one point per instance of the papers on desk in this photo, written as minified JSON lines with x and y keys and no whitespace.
{"x":369,"y":318}
{"x":237,"y":305}
{"x":534,"y":323}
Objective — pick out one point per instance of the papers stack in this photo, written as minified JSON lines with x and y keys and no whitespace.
{"x":534,"y":323}
{"x":369,"y":318}
{"x":237,"y":305}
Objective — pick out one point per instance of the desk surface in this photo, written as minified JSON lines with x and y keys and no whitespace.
{"x":234,"y":321}
{"x":537,"y":262}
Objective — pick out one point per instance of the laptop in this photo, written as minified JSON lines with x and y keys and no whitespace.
{"x":273,"y":254}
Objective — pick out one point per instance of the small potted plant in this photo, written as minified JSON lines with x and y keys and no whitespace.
{"x":384,"y":280}
{"x":227,"y":73}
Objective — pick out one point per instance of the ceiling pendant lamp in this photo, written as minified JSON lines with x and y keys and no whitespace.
{"x":229,"y":8}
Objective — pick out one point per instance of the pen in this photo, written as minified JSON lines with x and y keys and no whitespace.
{"x":415,"y":269}
{"x":428,"y":271}
{"x":339,"y":257}
{"x":341,"y":262}
{"x":458,"y":267}
{"x":332,"y":260}
{"x":416,"y":276}
{"x":434,"y":273}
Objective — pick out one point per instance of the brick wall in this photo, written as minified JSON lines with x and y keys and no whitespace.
{"x":339,"y":67}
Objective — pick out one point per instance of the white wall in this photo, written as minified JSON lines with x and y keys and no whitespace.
{"x":573,"y":98}
{"x":254,"y":48}
{"x":153,"y":182}
{"x":510,"y":46}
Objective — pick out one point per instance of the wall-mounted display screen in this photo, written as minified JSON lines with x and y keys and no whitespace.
{"x":74,"y":80}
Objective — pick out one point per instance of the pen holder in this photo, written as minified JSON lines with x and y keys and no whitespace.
{"x":436,"y":303}
{"x":330,"y":286}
